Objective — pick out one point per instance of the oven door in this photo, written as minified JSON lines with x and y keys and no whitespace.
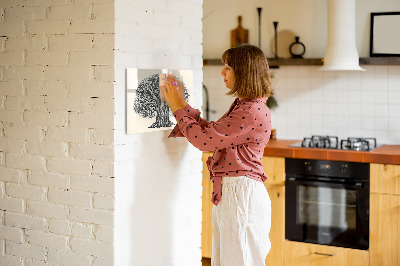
{"x":327,"y":213}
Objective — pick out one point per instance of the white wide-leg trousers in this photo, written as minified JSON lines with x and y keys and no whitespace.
{"x":241,"y":223}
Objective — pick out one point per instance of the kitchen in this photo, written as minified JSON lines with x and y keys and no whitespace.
{"x":314,"y":103}
{"x":76,"y":189}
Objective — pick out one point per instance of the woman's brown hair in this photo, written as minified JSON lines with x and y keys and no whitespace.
{"x":250,"y":66}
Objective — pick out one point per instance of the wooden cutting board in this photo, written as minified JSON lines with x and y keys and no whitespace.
{"x":239,"y":35}
{"x":285,"y":39}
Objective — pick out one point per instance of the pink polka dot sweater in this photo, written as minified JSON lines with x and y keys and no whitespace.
{"x":238,"y":139}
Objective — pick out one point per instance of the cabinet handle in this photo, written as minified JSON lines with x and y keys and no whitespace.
{"x":325,"y":254}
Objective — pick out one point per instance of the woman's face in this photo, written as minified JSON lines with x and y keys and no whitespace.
{"x":229,"y":76}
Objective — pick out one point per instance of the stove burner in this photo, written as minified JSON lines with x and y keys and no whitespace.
{"x":358,"y":144}
{"x":328,"y":142}
{"x":332,"y":142}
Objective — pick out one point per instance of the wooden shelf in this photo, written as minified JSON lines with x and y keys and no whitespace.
{"x":295,"y":62}
{"x":212,"y":62}
{"x":380,"y":61}
{"x":273,"y":63}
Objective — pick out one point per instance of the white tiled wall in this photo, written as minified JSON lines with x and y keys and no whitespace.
{"x":312,"y":102}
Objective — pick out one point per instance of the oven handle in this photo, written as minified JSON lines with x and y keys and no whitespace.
{"x":357,"y":185}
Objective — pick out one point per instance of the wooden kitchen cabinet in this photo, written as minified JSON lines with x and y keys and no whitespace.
{"x":277,"y":233}
{"x":274,"y":168}
{"x":206,"y":225}
{"x":305,"y":254}
{"x":385,"y":178}
{"x":384,"y":236}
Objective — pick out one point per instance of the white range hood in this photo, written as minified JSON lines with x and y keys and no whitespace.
{"x":341,"y":51}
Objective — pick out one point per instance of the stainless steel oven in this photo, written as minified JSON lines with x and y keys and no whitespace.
{"x":327,"y":202}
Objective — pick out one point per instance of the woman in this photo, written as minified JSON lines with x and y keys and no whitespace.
{"x":242,"y":208}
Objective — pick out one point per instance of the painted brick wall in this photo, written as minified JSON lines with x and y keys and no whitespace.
{"x":56,"y":132}
{"x":158,"y":180}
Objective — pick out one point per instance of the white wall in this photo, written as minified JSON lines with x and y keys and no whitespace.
{"x":63,"y":135}
{"x":305,"y":18}
{"x":312,"y":102}
{"x":158,"y":180}
{"x":344,"y":103}
{"x":56,"y":132}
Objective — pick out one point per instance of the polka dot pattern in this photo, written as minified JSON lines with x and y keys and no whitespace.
{"x":238,"y":139}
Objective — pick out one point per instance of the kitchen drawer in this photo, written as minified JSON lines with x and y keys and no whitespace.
{"x":385,"y":178}
{"x":305,"y":254}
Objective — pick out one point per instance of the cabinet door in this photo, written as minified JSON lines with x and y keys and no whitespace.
{"x":206,"y":226}
{"x":384,"y":229}
{"x":385,"y":178}
{"x":277,"y":233}
{"x":304,"y":254}
{"x":274,"y":168}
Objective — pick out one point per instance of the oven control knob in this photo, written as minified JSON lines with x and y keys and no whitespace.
{"x":343,"y":168}
{"x":308,"y":166}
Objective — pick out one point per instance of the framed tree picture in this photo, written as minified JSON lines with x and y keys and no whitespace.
{"x":147,"y":110}
{"x":385,"y":34}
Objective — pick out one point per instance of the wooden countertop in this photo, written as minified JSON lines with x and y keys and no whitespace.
{"x":389,"y":154}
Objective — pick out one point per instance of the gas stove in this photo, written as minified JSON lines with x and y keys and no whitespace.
{"x":332,"y":142}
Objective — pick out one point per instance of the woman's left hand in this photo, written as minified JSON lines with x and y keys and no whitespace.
{"x":170,"y":91}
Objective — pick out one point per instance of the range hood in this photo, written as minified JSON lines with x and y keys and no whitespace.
{"x":341,"y":51}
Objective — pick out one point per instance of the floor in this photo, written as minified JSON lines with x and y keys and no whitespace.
{"x":206,"y":261}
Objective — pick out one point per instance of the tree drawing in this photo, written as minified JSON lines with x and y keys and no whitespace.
{"x":148,"y":103}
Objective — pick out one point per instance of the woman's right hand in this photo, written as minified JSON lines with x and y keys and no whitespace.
{"x":181,"y":89}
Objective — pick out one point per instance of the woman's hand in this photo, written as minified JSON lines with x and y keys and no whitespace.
{"x":181,"y":90}
{"x":173,"y":92}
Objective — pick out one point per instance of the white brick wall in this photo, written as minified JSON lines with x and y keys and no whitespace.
{"x":25,"y":221}
{"x":11,"y":233}
{"x":68,"y":258}
{"x":25,"y":251}
{"x":46,"y":240}
{"x":155,"y":182}
{"x":63,"y":140}
{"x":47,"y":210}
{"x":56,"y":132}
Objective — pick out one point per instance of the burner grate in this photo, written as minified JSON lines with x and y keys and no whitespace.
{"x":358,"y":144}
{"x":327,"y":142}
{"x":332,"y":142}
